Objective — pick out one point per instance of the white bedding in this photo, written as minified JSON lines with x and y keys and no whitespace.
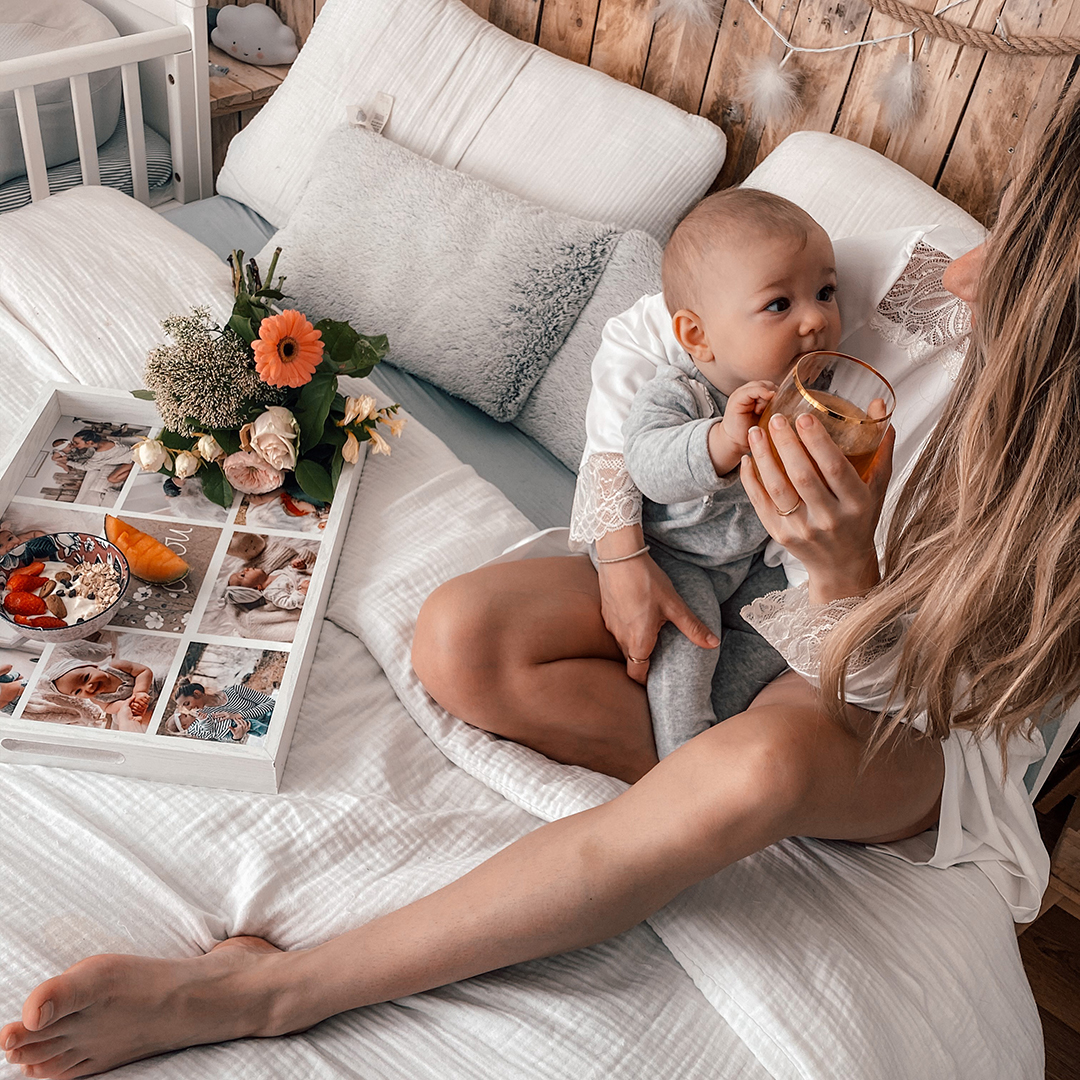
{"x":813,"y":960}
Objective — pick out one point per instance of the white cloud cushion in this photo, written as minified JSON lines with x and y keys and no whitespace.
{"x":471,"y":97}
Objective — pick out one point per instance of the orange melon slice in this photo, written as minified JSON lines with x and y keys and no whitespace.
{"x":150,"y":560}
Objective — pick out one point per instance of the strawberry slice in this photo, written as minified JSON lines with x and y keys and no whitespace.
{"x":24,"y":603}
{"x":42,"y":622}
{"x":33,"y":568}
{"x":23,"y":582}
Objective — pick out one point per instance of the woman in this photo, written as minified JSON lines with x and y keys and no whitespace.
{"x":793,"y":764}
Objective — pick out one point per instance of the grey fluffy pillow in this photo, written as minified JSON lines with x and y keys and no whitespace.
{"x":475,"y":288}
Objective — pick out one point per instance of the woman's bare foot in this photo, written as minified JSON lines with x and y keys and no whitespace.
{"x":108,"y":1010}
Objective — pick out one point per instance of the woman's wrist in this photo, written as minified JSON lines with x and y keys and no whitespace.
{"x":620,"y":543}
{"x":840,"y":583}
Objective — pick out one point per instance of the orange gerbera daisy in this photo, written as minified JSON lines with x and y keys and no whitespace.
{"x":287,"y":350}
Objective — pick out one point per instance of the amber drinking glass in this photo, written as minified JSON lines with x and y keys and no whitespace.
{"x":853,"y":402}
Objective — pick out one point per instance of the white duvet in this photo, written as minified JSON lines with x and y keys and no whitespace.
{"x":806,"y":960}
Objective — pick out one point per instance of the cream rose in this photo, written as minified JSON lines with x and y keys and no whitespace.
{"x":186,"y":464}
{"x":273,"y":437}
{"x":150,"y":455}
{"x":249,"y":473}
{"x":208,"y":448}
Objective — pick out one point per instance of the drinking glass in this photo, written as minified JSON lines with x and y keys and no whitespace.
{"x":853,"y":402}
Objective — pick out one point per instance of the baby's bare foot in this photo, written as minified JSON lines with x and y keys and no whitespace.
{"x":109,"y":1010}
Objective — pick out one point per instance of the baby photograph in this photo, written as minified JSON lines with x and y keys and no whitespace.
{"x":168,"y":607}
{"x":261,"y":588}
{"x":112,"y":682}
{"x":17,"y":667}
{"x":172,"y":497}
{"x":224,"y":693}
{"x":22,"y":522}
{"x":83,"y":461}
{"x":279,"y":510}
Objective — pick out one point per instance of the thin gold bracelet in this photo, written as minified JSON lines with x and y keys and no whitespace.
{"x":623,"y":558}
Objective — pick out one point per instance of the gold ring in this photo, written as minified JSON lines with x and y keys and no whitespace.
{"x":784,"y":513}
{"x":635,"y":660}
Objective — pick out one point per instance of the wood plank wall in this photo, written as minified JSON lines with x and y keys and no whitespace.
{"x":980,"y":109}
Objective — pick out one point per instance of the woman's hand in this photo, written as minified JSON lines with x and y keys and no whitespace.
{"x":831,"y":513}
{"x":637,"y":598}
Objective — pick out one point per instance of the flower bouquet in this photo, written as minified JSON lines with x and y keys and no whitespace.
{"x":253,"y":406}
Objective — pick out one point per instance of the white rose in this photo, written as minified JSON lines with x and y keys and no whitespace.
{"x":150,"y":455}
{"x":208,"y":448}
{"x":185,"y":465}
{"x":273,"y":437}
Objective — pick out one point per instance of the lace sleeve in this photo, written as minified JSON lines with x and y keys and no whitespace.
{"x":605,"y":500}
{"x":797,"y":630}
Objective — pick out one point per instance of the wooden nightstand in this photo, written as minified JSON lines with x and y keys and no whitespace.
{"x":1064,"y":888}
{"x":235,"y":98}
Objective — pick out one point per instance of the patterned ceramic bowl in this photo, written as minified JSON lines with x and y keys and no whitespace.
{"x":82,"y":552}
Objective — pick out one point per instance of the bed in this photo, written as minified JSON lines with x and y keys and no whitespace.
{"x":808,"y":960}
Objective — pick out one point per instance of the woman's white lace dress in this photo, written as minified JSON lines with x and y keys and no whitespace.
{"x":898,"y":317}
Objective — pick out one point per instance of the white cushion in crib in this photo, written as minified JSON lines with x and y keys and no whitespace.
{"x":27,"y":29}
{"x":471,"y":97}
{"x":850,"y":189}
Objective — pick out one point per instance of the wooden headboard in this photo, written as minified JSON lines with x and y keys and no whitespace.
{"x":979,"y":110}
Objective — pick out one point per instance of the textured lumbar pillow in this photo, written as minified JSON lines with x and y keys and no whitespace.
{"x":475,"y":288}
{"x":40,"y":27}
{"x":254,"y":34}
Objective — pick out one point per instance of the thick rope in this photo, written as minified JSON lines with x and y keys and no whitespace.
{"x":979,"y":39}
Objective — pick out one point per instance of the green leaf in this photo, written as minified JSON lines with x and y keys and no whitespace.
{"x":312,"y":407}
{"x":272,"y":294}
{"x":243,"y":329}
{"x":338,"y":339}
{"x":335,"y":469}
{"x":176,"y":442}
{"x":229,"y":441}
{"x":144,"y":395}
{"x":314,"y":480}
{"x":215,"y":487}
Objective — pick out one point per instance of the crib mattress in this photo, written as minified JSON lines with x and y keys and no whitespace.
{"x":113,"y":164}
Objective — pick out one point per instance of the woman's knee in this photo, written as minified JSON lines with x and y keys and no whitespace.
{"x":454,"y":643}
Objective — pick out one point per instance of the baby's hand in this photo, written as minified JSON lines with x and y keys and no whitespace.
{"x":303,"y":586}
{"x":240,"y":729}
{"x":138,"y":702}
{"x":744,"y":406}
{"x":298,"y":564}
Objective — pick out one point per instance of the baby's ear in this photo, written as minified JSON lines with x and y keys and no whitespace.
{"x":690,"y":334}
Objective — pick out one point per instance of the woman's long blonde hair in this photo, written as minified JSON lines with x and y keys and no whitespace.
{"x":983,"y":550}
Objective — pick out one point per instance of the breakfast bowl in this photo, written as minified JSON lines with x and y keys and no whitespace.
{"x":62,"y":586}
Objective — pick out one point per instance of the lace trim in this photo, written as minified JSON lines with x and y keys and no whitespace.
{"x":798,"y":630}
{"x":921,"y":316}
{"x":605,"y":500}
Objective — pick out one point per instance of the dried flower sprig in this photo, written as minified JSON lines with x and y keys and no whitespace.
{"x":256,"y":402}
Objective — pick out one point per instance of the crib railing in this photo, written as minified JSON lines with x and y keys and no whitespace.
{"x":174,"y":45}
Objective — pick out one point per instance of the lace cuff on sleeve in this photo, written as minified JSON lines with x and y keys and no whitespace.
{"x":798,"y":629}
{"x":605,"y":500}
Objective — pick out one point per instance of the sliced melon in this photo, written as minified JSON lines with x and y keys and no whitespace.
{"x":149,"y":559}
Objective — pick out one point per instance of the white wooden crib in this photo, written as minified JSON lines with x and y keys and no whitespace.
{"x":162,"y":56}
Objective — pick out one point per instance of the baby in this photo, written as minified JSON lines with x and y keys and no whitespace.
{"x":286,"y":588}
{"x":749,"y":280}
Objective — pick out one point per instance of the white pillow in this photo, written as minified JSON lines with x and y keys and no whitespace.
{"x":850,"y":189}
{"x":471,"y":97}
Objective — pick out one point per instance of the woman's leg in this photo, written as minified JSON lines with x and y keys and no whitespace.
{"x":520,"y":649}
{"x":779,"y":769}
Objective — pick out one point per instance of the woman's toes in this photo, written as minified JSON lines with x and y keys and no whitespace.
{"x":62,"y":1066}
{"x":35,"y":1053}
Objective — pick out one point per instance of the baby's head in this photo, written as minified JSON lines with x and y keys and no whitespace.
{"x":750,"y":281}
{"x":251,"y":577}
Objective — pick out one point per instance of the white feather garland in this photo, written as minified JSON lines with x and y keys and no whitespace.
{"x":699,"y":12}
{"x":901,"y":91}
{"x":770,"y":91}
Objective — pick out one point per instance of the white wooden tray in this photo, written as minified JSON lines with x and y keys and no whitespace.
{"x":188,"y":629}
